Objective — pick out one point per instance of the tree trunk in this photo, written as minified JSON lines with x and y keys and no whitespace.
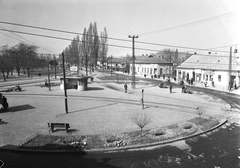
{"x":4,"y":77}
{"x":7,"y":73}
{"x":28,"y":71}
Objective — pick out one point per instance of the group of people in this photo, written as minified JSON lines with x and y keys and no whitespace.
{"x":17,"y":88}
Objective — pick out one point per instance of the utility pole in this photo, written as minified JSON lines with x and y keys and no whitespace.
{"x":86,"y":64}
{"x":64,"y":83}
{"x":133,"y":60}
{"x":111,"y":65}
{"x":55,"y":67}
{"x":49,"y":86}
{"x":230,"y":69}
{"x":170,"y":69}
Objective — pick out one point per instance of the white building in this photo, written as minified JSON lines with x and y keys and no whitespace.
{"x":151,"y":66}
{"x":211,"y":67}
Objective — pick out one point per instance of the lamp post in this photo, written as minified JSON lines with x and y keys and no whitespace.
{"x":133,"y":60}
{"x":142,"y":99}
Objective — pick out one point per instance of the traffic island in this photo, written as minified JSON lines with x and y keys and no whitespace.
{"x":120,"y":141}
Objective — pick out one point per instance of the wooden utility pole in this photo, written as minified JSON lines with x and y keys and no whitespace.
{"x":64,"y":83}
{"x":111,"y":65}
{"x":230,"y":69}
{"x":49,"y":85}
{"x":133,"y":60}
{"x":86,"y":64}
{"x":55,"y":67}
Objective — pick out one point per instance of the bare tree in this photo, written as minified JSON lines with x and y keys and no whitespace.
{"x":140,"y":120}
{"x":103,"y":47}
{"x":200,"y":111}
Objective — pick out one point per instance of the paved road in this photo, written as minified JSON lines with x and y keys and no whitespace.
{"x":219,"y":149}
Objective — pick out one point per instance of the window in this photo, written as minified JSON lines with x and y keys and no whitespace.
{"x":219,"y":78}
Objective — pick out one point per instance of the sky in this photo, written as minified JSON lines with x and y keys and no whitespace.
{"x":166,"y":24}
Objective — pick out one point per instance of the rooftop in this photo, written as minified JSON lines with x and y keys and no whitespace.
{"x":211,"y":62}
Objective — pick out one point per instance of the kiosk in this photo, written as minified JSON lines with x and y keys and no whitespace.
{"x":78,"y":83}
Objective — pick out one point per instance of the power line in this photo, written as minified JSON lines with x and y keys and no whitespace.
{"x":24,"y":39}
{"x":193,"y":23}
{"x":70,"y":32}
{"x":67,"y":39}
{"x":178,"y":46}
{"x":60,"y":31}
{"x":11,"y":36}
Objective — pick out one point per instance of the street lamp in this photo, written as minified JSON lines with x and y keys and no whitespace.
{"x":142,"y":99}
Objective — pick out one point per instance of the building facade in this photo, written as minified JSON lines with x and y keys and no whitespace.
{"x":151,"y":66}
{"x":211,"y":68}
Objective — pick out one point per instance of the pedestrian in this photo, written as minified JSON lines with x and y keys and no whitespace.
{"x":235,"y":83}
{"x":205,"y":83}
{"x":213,"y":84}
{"x":4,"y":102}
{"x":183,"y":89}
{"x":170,"y":88}
{"x":125,"y":87}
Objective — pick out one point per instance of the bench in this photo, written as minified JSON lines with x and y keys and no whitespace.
{"x":66,"y":126}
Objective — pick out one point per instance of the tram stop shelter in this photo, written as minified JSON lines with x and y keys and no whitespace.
{"x":78,"y":83}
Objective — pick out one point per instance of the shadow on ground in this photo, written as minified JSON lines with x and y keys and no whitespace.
{"x":94,"y":88}
{"x":19,"y":108}
{"x":55,"y":159}
{"x":92,"y":108}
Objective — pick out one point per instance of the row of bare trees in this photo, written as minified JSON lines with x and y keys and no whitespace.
{"x":19,"y":57}
{"x":89,"y":49}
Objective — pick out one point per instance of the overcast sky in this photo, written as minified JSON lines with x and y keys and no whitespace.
{"x":150,"y":19}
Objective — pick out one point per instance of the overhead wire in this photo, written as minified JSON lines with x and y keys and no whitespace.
{"x":193,"y":23}
{"x":24,"y":39}
{"x":76,"y":33}
{"x":68,"y":39}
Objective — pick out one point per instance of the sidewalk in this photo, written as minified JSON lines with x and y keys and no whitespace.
{"x":196,"y":84}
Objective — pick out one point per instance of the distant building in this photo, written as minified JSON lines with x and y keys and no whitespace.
{"x":115,"y":64}
{"x":153,"y":66}
{"x":211,"y":67}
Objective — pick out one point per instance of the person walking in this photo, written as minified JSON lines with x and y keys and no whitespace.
{"x":4,"y":102}
{"x":170,"y":88}
{"x":125,"y":87}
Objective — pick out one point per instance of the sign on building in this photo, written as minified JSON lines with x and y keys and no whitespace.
{"x":73,"y":69}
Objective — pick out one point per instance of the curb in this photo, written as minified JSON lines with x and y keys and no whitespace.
{"x":14,"y":148}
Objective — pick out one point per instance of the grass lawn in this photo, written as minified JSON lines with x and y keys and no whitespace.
{"x":104,"y":141}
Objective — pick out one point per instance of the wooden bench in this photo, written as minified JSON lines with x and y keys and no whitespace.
{"x":66,"y":126}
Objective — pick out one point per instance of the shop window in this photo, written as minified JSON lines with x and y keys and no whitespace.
{"x":219,"y":78}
